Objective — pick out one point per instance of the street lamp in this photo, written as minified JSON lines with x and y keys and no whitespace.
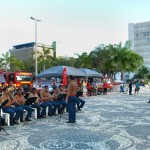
{"x":36,"y":65}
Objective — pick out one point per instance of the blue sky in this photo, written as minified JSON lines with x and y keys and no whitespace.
{"x":77,"y":25}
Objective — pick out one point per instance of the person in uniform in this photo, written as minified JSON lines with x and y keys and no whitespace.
{"x":8,"y":108}
{"x":46,"y":97}
{"x":11,"y":89}
{"x":37,"y":103}
{"x":80,"y":102}
{"x":71,"y":99}
{"x":20,"y":103}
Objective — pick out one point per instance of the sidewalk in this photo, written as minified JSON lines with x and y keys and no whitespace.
{"x":115,"y":121}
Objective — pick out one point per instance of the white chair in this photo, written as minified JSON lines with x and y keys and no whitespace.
{"x":6,"y":116}
{"x":47,"y":110}
{"x":35,"y":112}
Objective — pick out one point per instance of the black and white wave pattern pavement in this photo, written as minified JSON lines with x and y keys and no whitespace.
{"x":112,"y":122}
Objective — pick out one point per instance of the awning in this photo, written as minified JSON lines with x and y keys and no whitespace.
{"x":90,"y":73}
{"x":57,"y":71}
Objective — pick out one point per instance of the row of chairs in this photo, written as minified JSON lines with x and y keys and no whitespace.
{"x":7,"y":115}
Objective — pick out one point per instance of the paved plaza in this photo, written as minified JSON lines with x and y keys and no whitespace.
{"x":115,"y":121}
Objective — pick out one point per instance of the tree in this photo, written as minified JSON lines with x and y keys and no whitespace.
{"x":129,"y":60}
{"x":104,"y":59}
{"x":142,"y":73}
{"x":43,"y":56}
{"x":83,"y":61}
{"x":7,"y":60}
{"x":30,"y":65}
{"x":111,"y":59}
{"x":17,"y":65}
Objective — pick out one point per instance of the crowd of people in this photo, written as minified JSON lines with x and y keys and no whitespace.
{"x":60,"y":99}
{"x":131,"y":85}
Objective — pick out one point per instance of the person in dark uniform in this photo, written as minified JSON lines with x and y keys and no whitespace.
{"x":130,"y":87}
{"x":71,"y":99}
{"x":80,"y":102}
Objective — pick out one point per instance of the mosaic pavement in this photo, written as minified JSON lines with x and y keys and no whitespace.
{"x":107,"y":122}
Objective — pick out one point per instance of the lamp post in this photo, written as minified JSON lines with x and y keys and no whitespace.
{"x":36,"y":65}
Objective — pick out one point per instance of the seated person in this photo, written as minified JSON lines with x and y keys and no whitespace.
{"x":37,"y":103}
{"x":63,"y":91}
{"x":8,"y":108}
{"x":11,"y":89}
{"x":46,"y":97}
{"x":20,"y":103}
{"x":58,"y":98}
{"x":79,"y":101}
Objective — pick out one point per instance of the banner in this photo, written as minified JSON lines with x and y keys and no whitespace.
{"x":64,"y":76}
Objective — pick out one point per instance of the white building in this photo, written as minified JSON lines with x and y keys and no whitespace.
{"x":26,"y":50}
{"x":139,"y":35}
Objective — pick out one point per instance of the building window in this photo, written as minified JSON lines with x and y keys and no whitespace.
{"x":136,"y":35}
{"x":144,"y":34}
{"x":148,"y":33}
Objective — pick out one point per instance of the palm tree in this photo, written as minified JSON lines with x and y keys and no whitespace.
{"x":115,"y":58}
{"x":129,"y":60}
{"x":83,"y":60}
{"x":44,"y":55}
{"x":17,"y":65}
{"x":6,"y":60}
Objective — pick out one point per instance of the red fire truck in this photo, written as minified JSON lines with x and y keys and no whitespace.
{"x":19,"y":78}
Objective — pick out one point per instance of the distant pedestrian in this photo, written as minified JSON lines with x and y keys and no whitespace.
{"x":89,"y":88}
{"x":137,"y":88}
{"x":105,"y":86}
{"x":130,"y":87}
{"x":121,"y":87}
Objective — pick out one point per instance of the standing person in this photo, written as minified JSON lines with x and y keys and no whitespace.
{"x":130,"y":87}
{"x":105,"y":85}
{"x":89,"y":88}
{"x":71,"y":99}
{"x":137,"y":88}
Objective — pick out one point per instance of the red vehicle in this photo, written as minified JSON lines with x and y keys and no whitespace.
{"x":101,"y":81}
{"x":19,"y":78}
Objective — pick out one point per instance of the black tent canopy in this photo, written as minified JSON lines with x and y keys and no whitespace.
{"x":90,"y":73}
{"x":58,"y":70}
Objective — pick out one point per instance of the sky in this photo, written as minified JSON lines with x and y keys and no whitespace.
{"x":76,"y":25}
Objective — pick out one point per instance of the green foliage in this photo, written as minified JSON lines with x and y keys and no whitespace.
{"x":148,"y":76}
{"x":111,"y":59}
{"x":83,"y":61}
{"x":107,"y":59}
{"x":6,"y":60}
{"x":44,"y":57}
{"x":142,"y":73}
